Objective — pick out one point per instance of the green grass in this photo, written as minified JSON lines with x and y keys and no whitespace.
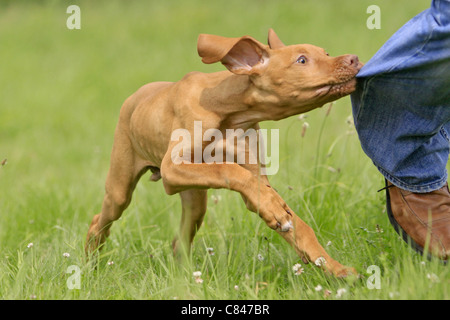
{"x":61,"y":92}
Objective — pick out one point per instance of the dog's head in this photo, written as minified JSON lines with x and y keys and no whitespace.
{"x":303,"y":75}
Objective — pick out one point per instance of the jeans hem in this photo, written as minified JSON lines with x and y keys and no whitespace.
{"x":429,"y":187}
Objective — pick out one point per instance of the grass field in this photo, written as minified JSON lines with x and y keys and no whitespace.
{"x":61,"y":92}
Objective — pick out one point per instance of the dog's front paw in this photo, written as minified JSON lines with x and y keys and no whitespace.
{"x":276,"y":215}
{"x":335,"y":268}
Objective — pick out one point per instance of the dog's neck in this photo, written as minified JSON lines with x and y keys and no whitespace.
{"x":240,"y":102}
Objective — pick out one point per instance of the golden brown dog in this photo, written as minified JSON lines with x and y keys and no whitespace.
{"x":262,"y":83}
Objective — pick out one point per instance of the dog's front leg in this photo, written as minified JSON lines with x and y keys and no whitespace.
{"x":302,"y":237}
{"x":260,"y":198}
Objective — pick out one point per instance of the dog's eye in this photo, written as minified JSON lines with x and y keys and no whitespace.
{"x":301,"y":59}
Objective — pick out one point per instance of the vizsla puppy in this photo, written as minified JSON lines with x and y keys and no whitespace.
{"x":262,"y":83}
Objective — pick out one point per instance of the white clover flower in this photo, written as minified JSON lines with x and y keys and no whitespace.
{"x":236,"y":287}
{"x":340,"y":292}
{"x":318,"y":288}
{"x":66,"y":255}
{"x":299,"y":271}
{"x":210,"y":251}
{"x":260,"y":257}
{"x":197,"y":274}
{"x":110,"y":263}
{"x":320,"y":261}
{"x":297,"y":268}
{"x":30,"y":245}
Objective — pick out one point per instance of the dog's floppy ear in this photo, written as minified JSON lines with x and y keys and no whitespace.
{"x":273,"y":40}
{"x":243,"y":55}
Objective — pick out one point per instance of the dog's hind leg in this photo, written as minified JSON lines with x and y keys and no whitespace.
{"x":194,"y":202}
{"x":125,"y":170}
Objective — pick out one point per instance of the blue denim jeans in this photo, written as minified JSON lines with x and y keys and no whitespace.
{"x":401,"y":106}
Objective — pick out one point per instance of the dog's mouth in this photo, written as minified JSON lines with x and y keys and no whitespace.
{"x":345,"y":80}
{"x":338,"y":89}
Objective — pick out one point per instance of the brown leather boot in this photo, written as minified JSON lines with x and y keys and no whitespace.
{"x":421,"y":218}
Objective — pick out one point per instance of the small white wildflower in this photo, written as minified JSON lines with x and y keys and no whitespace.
{"x":320,"y":261}
{"x":318,"y":288}
{"x":432,"y":277}
{"x":210,"y":251}
{"x":302,"y":117}
{"x":236,"y":287}
{"x":304,"y":127}
{"x":33,"y":296}
{"x":299,"y":272}
{"x":110,"y":263}
{"x":30,"y":245}
{"x":422,"y":263}
{"x":297,"y":268}
{"x":329,"y":243}
{"x":260,"y":257}
{"x":340,"y":292}
{"x":66,"y":255}
{"x":197,"y":274}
